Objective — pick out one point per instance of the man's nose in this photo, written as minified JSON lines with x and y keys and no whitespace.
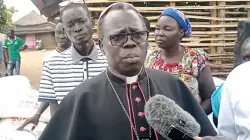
{"x":78,"y":28}
{"x":130,"y":43}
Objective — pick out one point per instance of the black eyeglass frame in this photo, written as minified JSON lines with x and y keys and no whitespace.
{"x":128,"y":34}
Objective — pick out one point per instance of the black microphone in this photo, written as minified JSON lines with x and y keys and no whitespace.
{"x":170,"y":120}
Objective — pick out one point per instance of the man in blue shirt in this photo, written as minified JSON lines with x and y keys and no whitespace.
{"x":2,"y":66}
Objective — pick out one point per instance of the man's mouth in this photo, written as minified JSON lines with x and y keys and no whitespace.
{"x":131,"y":58}
{"x":80,"y":36}
{"x":131,"y":55}
{"x":127,"y":57}
{"x":62,"y":40}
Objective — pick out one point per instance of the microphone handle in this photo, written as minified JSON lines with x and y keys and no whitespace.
{"x":176,"y":134}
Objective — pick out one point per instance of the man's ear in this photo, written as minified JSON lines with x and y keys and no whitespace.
{"x":101,"y":46}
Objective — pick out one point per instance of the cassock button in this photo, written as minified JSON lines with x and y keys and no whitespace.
{"x":134,"y":86}
{"x":142,"y":129}
{"x":141,"y":114}
{"x":137,"y":99}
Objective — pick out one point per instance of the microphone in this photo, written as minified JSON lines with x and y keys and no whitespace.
{"x":170,"y":120}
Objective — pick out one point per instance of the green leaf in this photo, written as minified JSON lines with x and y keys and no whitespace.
{"x":5,"y":16}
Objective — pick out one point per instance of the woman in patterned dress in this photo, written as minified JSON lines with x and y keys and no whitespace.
{"x":190,"y":65}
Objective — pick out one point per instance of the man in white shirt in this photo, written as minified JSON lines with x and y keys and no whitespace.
{"x":234,"y":116}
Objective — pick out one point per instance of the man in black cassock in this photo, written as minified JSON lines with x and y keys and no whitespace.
{"x":110,"y":106}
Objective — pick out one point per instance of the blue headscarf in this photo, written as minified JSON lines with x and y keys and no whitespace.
{"x":180,"y":18}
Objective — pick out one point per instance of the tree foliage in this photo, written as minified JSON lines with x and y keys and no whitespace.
{"x":5,"y":16}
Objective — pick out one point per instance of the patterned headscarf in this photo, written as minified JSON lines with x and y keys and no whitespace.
{"x":180,"y":18}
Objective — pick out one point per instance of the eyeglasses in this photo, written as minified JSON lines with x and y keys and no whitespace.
{"x":122,"y":38}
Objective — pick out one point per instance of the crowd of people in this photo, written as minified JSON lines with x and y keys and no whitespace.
{"x":98,"y":90}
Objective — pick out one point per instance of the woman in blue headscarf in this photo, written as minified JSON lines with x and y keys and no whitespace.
{"x":190,"y":65}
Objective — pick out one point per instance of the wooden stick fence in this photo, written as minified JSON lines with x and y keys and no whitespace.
{"x":214,"y":24}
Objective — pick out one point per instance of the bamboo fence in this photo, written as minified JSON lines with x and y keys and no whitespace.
{"x":214,"y":25}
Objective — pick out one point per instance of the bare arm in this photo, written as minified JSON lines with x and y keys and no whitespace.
{"x":46,"y":96}
{"x":5,"y":53}
{"x":43,"y":106}
{"x":206,"y":88}
{"x":53,"y":107}
{"x":35,"y":118}
{"x":24,"y":47}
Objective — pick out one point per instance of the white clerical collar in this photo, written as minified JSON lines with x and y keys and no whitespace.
{"x":129,"y":80}
{"x":133,"y":79}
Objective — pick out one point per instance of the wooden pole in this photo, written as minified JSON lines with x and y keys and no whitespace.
{"x":213,"y":22}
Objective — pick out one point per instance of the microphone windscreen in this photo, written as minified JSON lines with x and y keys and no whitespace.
{"x":162,"y":113}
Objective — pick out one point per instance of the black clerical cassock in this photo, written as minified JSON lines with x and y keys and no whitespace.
{"x":110,"y":107}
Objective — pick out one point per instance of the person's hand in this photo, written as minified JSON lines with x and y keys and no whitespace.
{"x":210,"y":138}
{"x":34,"y":120}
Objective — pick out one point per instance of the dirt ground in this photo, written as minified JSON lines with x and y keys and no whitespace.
{"x":31,"y":65}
